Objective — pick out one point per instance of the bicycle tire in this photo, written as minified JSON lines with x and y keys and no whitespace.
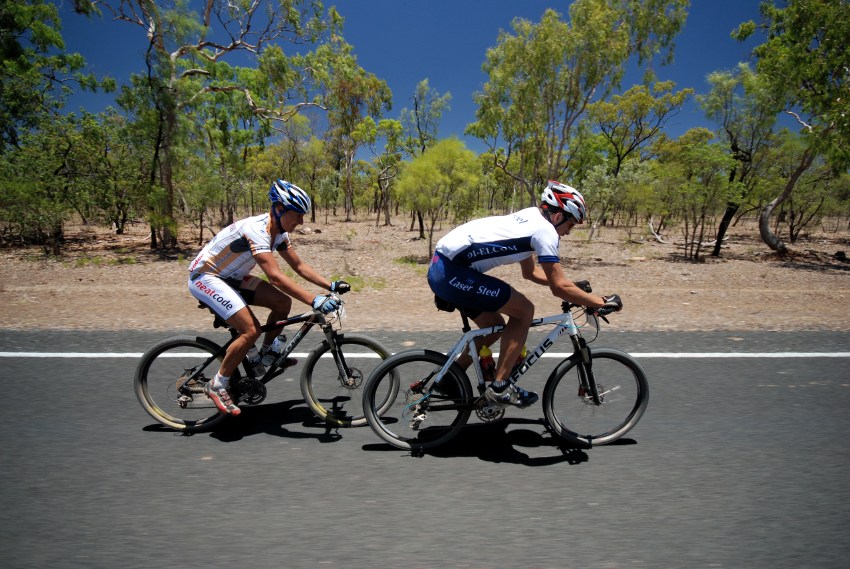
{"x":160,"y":371}
{"x":417,"y":421}
{"x":572,"y":415}
{"x":335,"y":399}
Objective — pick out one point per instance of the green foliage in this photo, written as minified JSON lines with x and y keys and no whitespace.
{"x":200,"y":133}
{"x":36,"y":73}
{"x":696,"y":170}
{"x":420,"y":124}
{"x":443,"y":179}
{"x":543,"y":77}
{"x":804,"y":63}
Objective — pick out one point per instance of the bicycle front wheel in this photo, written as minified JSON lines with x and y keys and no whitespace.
{"x":170,"y":379}
{"x":418,"y":418}
{"x":334,"y":390}
{"x":623,"y":393}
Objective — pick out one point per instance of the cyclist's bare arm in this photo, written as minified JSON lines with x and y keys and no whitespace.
{"x":307,"y":272}
{"x":565,"y":289}
{"x":533,"y":272}
{"x":269,"y":266}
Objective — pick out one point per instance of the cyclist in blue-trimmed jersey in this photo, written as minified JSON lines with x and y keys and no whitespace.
{"x":457,"y":275}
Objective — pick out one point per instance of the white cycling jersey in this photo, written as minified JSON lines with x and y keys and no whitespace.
{"x":483,"y":244}
{"x":230,"y":254}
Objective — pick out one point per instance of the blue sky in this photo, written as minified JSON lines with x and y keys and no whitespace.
{"x":445,"y":41}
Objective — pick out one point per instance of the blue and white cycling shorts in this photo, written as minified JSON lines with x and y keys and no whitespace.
{"x":226,"y":297}
{"x":466,"y":287}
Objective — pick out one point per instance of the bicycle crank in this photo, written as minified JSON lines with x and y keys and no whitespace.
{"x":251,"y":391}
{"x":487,"y":411}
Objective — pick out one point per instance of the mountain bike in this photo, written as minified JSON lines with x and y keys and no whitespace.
{"x":592,"y":397}
{"x":171,"y":375}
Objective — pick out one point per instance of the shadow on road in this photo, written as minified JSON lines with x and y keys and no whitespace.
{"x":270,"y":419}
{"x":532,"y":444}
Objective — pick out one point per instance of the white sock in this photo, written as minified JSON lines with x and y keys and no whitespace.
{"x":221,"y":381}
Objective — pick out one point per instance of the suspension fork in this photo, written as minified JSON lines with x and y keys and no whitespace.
{"x":587,"y":383}
{"x":336,"y":352}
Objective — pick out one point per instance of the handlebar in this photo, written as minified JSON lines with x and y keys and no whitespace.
{"x":584,"y":285}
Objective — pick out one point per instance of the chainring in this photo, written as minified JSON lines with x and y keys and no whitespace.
{"x":251,"y":391}
{"x":489,"y":412}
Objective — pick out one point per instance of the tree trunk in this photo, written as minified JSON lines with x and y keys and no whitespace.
{"x":728,"y":216}
{"x":421,"y":225}
{"x":767,"y":235}
{"x":169,"y":240}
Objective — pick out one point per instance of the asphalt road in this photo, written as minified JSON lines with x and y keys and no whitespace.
{"x":738,"y":463}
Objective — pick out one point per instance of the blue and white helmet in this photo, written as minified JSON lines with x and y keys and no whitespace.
{"x":566,"y":199}
{"x":290,"y":196}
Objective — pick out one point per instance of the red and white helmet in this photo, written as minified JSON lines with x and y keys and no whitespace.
{"x":566,"y":199}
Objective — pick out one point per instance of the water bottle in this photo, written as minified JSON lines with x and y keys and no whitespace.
{"x":488,"y":364}
{"x":255,"y":362}
{"x":274,"y":351}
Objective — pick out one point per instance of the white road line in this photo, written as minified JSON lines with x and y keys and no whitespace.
{"x":639,"y":355}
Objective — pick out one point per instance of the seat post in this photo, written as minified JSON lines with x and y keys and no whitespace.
{"x":465,"y":318}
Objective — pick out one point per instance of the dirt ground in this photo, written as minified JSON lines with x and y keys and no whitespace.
{"x":111,"y":282}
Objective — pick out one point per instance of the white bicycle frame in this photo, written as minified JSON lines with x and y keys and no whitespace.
{"x":564,"y":324}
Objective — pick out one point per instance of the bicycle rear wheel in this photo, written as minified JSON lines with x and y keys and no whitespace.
{"x":571,"y":411}
{"x":418,"y":418}
{"x":163,"y":390}
{"x":336,"y":395}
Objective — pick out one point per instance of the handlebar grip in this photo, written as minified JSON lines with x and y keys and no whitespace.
{"x":605,"y":311}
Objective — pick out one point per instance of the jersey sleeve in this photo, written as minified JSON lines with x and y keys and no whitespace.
{"x":545,"y":243}
{"x":284,"y":243}
{"x":257,"y":235}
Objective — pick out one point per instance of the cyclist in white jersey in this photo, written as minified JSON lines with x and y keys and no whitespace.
{"x":457,"y":275}
{"x":219,"y":277}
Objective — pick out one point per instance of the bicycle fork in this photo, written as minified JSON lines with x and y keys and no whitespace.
{"x":587,"y":383}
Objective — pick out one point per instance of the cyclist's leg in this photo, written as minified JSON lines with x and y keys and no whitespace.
{"x":248,"y":327}
{"x":520,"y":312}
{"x":229,"y":305}
{"x":271,"y":297}
{"x":481,"y":295}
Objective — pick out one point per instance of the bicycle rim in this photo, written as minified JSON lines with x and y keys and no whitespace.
{"x":336,"y":397}
{"x":622,"y":386}
{"x":160,"y":378}
{"x":416,"y":419}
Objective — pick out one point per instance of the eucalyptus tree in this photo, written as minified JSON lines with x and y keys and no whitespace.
{"x":442,"y":179}
{"x":629,"y":124}
{"x":354,"y":99}
{"x":37,"y":73}
{"x":388,"y":165}
{"x":695,"y":169}
{"x":421,"y":122}
{"x":36,"y":76}
{"x":804,"y":64}
{"x":745,"y":113}
{"x":633,"y":120}
{"x":185,"y":63}
{"x":543,"y":77}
